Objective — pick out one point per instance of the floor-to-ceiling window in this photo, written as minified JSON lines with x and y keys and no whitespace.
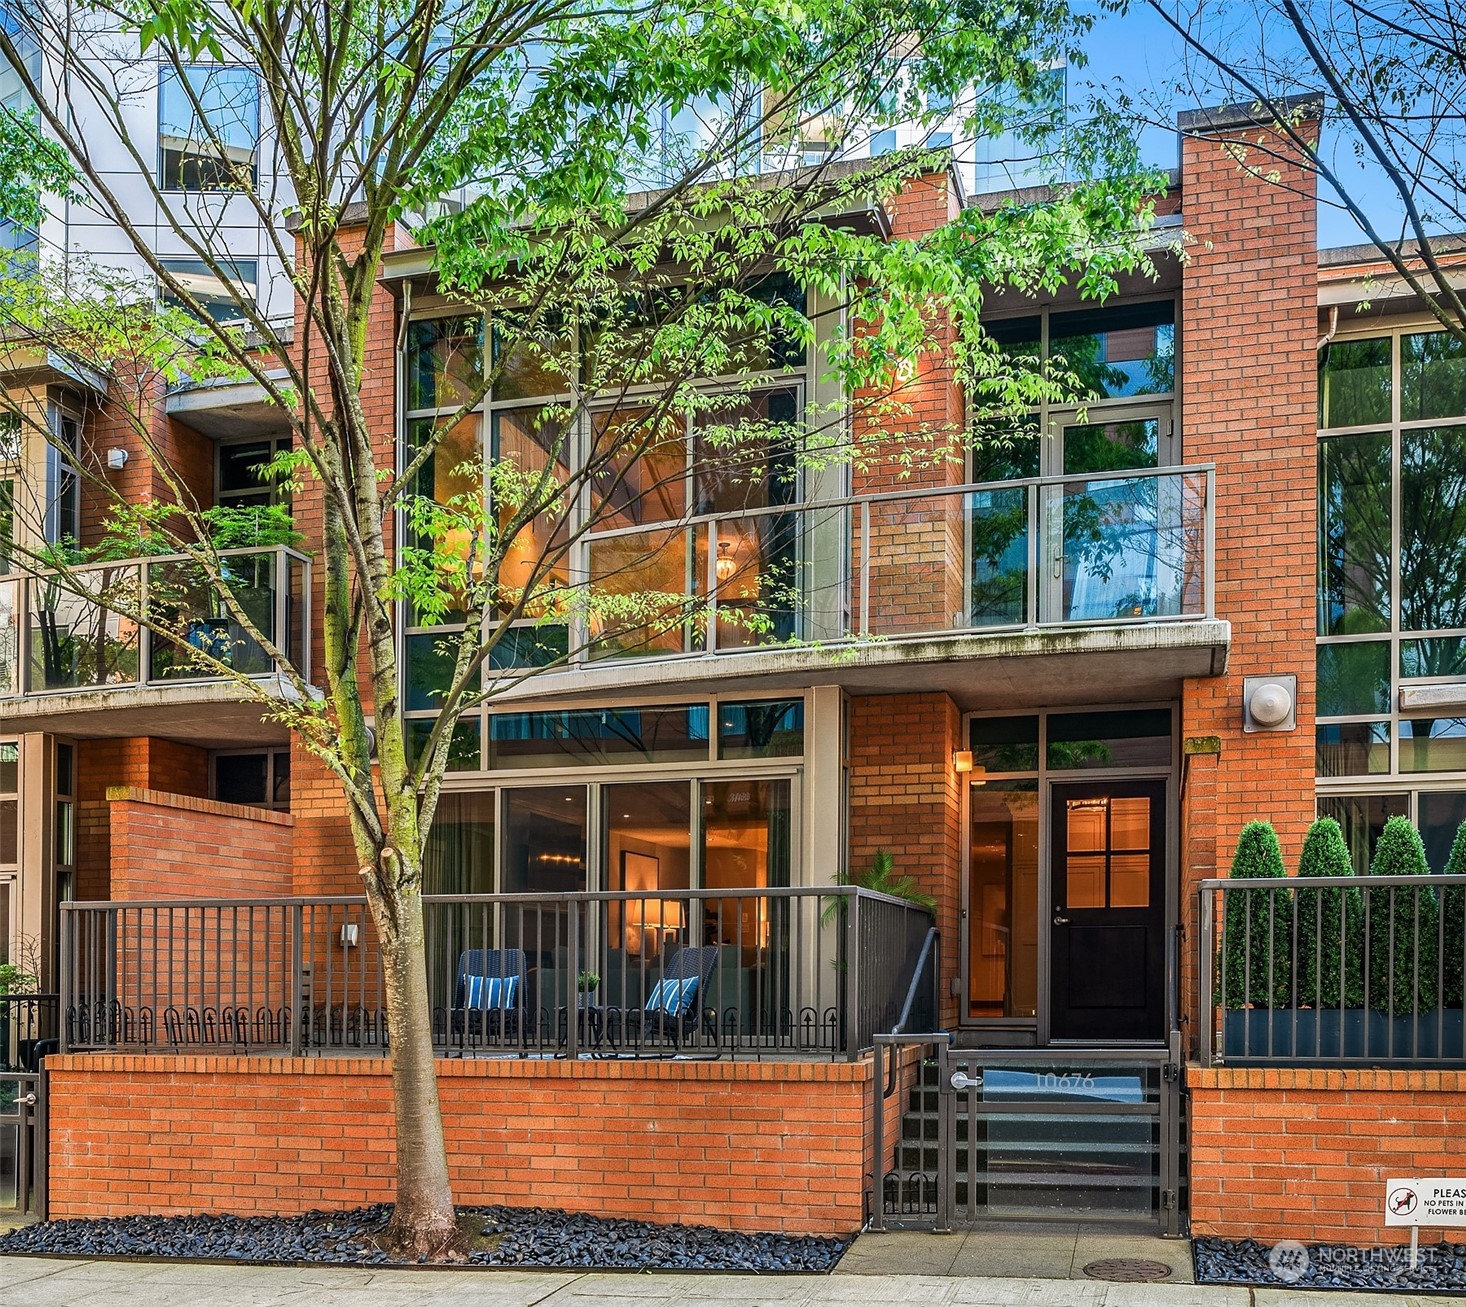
{"x":1118,"y":546}
{"x":1391,"y":733}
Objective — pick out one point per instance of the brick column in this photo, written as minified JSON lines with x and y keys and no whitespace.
{"x":1248,"y":384}
{"x":906,"y":799}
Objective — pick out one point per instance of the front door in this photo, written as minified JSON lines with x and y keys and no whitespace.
{"x":1109,"y":911}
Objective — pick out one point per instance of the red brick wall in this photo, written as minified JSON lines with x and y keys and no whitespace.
{"x":1304,"y":1154}
{"x":1248,"y":382}
{"x":168,"y":846}
{"x":905,"y":798}
{"x":739,"y":1145}
{"x":143,"y":762}
{"x":324,"y":854}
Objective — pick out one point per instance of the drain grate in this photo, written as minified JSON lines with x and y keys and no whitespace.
{"x":1127,"y":1270}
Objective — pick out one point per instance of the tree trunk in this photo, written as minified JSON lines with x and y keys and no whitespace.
{"x":423,"y":1222}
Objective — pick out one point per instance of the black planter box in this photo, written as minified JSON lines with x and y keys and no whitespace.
{"x":1302,"y":1034}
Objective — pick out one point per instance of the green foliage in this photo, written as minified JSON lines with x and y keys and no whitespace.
{"x":1257,"y":933}
{"x":1453,"y":909}
{"x":1330,"y":936}
{"x":15,"y":979}
{"x":1403,"y":925}
{"x":881,"y":877}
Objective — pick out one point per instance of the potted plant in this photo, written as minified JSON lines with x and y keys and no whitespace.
{"x":1453,"y":909}
{"x":1330,"y":950}
{"x":586,"y":984}
{"x":1403,"y":981}
{"x":1256,"y":962}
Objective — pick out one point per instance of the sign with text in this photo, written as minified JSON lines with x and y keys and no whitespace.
{"x":1426,"y":1202}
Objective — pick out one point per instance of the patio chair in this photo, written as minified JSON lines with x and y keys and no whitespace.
{"x":489,"y":995}
{"x":674,"y":1006}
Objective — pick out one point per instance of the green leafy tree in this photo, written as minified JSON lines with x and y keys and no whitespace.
{"x":1453,"y":909}
{"x":1257,"y":934}
{"x":1403,"y":925}
{"x":516,"y":144}
{"x":1330,"y":938}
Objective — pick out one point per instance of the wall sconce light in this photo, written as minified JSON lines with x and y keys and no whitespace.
{"x":963,"y":765}
{"x":725,"y":566}
{"x":349,"y":934}
{"x":116,"y":459}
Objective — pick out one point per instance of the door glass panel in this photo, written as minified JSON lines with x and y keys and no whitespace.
{"x":1086,"y":888}
{"x":1112,"y":446}
{"x":1086,"y":826}
{"x":544,"y":840}
{"x":459,"y":857}
{"x":1130,"y":880}
{"x":1130,"y":823}
{"x":648,"y":849}
{"x":744,"y":844}
{"x":1003,"y":901}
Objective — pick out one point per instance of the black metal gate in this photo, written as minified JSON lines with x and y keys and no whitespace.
{"x":963,"y":1136}
{"x":27,"y":1032}
{"x":23,"y":1145}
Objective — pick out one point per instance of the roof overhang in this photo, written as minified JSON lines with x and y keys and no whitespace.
{"x":231,"y":408}
{"x":1037,"y":667}
{"x":40,"y":365}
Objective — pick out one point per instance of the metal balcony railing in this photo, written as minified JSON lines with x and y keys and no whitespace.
{"x":1339,"y":970}
{"x":81,"y":629}
{"x":772,"y":972}
{"x":1102,"y":548}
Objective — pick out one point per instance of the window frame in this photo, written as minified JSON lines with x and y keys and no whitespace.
{"x":1051,"y":419}
{"x":1393,"y":779}
{"x":168,"y":74}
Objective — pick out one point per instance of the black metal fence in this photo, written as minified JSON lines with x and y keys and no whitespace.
{"x":708,"y":973}
{"x":28,"y":1030}
{"x":1332,"y":969}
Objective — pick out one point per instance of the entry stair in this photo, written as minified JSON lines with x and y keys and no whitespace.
{"x":1035,"y":1143}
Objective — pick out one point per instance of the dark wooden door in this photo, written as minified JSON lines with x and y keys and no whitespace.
{"x":1108,"y":875}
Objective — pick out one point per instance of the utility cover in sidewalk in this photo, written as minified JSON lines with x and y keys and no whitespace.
{"x":1127,"y":1270}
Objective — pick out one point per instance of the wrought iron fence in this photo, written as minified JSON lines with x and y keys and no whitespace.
{"x":28,"y":1029}
{"x":707,"y":972}
{"x":1332,"y":969}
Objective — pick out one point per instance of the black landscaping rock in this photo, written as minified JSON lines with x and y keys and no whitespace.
{"x":1441,"y":1268}
{"x":528,"y":1238}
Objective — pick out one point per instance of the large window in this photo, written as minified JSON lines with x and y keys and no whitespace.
{"x":221,"y":297}
{"x":1391,"y":554}
{"x":643,"y":465}
{"x":208,"y":127}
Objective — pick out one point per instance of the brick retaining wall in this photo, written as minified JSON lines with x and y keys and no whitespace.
{"x":749,"y":1146}
{"x":1304,"y":1154}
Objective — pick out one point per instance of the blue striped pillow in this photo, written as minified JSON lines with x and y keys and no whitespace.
{"x":673,"y":997}
{"x":490,"y":993}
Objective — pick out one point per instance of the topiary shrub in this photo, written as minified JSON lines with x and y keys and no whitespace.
{"x":1403,"y":925}
{"x":1257,"y":934}
{"x":1330,"y":924}
{"x":1453,"y":908}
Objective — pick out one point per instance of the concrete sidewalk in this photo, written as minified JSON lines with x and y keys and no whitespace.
{"x":37,"y":1282}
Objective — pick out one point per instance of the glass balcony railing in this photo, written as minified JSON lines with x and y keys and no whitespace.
{"x":149,"y":621}
{"x":1132,"y":546}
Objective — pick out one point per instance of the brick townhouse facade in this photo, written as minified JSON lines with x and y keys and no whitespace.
{"x":1052,"y":729}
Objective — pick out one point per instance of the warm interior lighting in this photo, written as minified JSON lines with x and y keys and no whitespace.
{"x":650,"y":923}
{"x":725,"y":566}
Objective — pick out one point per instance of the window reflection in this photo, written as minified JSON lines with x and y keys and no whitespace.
{"x":1003,"y":900}
{"x":648,"y":849}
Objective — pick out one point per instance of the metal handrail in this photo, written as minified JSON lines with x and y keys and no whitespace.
{"x":894,"y":496}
